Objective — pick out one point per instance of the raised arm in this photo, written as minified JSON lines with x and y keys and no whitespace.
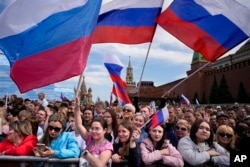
{"x":78,"y":120}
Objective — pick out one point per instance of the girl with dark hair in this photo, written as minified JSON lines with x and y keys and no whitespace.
{"x":126,"y":147}
{"x":197,"y":149}
{"x":157,"y":151}
{"x":99,"y":149}
{"x":111,"y":119}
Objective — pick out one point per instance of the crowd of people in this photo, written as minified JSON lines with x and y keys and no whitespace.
{"x":110,"y":135}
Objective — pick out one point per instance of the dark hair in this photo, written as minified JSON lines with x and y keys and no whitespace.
{"x":114,"y":121}
{"x":195,"y":128}
{"x":13,"y":111}
{"x":2,"y":103}
{"x":124,"y":151}
{"x":160,"y":142}
{"x":102,"y":121}
{"x":27,"y":99}
{"x":90,"y":109}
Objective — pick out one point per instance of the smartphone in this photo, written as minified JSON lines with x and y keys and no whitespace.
{"x":40,"y":146}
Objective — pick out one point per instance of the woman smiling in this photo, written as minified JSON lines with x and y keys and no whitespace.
{"x":225,"y":140}
{"x":157,"y":151}
{"x":126,"y":147}
{"x":99,"y":149}
{"x":197,"y":149}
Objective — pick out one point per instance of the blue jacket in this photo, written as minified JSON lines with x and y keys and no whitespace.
{"x":65,"y":146}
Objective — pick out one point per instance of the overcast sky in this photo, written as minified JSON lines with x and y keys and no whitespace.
{"x":168,"y":60}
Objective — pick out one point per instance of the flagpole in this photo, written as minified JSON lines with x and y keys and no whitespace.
{"x":79,"y":84}
{"x":146,"y":123}
{"x":167,"y":92}
{"x":138,"y":90}
{"x":6,"y":100}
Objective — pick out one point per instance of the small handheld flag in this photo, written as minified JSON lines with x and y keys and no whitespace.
{"x":160,"y":117}
{"x":184,"y":100}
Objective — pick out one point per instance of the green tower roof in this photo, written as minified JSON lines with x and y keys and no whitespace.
{"x":198,"y":58}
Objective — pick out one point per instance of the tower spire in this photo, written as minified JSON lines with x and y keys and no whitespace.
{"x":129,"y":75}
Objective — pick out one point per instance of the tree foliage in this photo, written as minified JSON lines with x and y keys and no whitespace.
{"x":224,"y":93}
{"x":242,"y":96}
{"x":214,"y":96}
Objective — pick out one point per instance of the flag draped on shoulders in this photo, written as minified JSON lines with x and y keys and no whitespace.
{"x":209,"y":27}
{"x":127,"y":21}
{"x":114,"y":67}
{"x":159,"y":117}
{"x":47,"y":41}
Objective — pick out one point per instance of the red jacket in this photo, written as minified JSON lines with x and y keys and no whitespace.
{"x":25,"y":148}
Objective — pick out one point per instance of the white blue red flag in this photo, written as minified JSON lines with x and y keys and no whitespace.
{"x":114,"y":67}
{"x":210,"y":27}
{"x":127,"y":21}
{"x":159,"y":117}
{"x":184,"y":100}
{"x":47,"y":41}
{"x":121,"y":93}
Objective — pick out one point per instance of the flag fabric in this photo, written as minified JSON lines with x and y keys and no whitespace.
{"x":50,"y":45}
{"x":197,"y":102}
{"x":62,"y":97}
{"x":127,"y":21}
{"x":159,"y":117}
{"x":184,"y":100}
{"x":121,"y":93}
{"x":152,"y":106}
{"x":209,"y":27}
{"x":114,"y":67}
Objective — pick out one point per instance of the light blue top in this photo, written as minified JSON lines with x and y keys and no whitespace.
{"x":65,"y":146}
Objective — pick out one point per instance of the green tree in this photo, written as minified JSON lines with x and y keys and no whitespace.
{"x":224,"y":92}
{"x":214,"y":96}
{"x":242,"y":96}
{"x":194,"y":98}
{"x":203,"y":99}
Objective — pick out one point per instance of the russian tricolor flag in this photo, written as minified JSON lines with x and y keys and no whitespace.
{"x":127,"y":21}
{"x":47,"y":41}
{"x":114,"y":67}
{"x":121,"y":93}
{"x":159,"y":117}
{"x":184,"y":100}
{"x":210,"y":27}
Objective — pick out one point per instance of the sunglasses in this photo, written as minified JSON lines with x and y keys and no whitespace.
{"x":222,"y":134}
{"x":179,"y":128}
{"x":56,"y":129}
{"x":126,"y":110}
